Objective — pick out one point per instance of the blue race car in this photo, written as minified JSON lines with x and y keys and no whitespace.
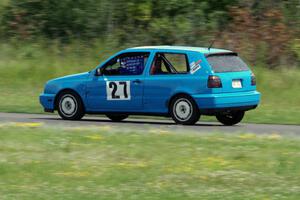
{"x":174,"y":81}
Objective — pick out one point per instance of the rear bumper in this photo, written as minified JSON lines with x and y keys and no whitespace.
{"x":225,"y":101}
{"x":47,"y":101}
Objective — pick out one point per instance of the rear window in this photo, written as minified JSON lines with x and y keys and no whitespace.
{"x":226,"y":63}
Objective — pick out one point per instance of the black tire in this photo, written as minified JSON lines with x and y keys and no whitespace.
{"x":230,"y":118}
{"x":184,"y":110}
{"x":70,"y":106}
{"x":116,"y":117}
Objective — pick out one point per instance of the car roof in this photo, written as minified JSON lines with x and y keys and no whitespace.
{"x":203,"y":50}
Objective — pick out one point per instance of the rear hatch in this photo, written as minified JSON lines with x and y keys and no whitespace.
{"x":233,"y":72}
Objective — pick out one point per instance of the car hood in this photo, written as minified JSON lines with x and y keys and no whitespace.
{"x":79,"y":76}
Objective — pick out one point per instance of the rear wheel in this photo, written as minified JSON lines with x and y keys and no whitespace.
{"x":116,"y":117}
{"x":230,"y":118}
{"x":184,"y":110}
{"x":69,"y":106}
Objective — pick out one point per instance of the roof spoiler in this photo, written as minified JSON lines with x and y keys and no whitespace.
{"x":221,"y":54}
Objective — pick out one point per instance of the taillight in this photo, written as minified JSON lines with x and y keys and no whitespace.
{"x":253,"y":79}
{"x":214,"y":82}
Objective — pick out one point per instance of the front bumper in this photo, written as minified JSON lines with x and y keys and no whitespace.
{"x":47,"y":101}
{"x":225,"y":101}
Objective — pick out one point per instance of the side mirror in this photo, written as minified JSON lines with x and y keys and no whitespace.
{"x":98,"y":72}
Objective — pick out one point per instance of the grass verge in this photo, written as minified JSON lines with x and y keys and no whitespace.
{"x":38,"y":162}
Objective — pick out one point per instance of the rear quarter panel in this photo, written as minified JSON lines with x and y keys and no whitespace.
{"x":159,"y":89}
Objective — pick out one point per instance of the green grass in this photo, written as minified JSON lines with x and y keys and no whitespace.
{"x":280,"y":97}
{"x":26,"y":67}
{"x":38,"y":162}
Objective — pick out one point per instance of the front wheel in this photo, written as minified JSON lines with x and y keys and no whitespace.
{"x":69,"y":106}
{"x":184,"y":110}
{"x":116,"y":117}
{"x":230,"y":118}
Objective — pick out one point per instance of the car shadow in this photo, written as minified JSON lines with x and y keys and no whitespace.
{"x":130,"y":121}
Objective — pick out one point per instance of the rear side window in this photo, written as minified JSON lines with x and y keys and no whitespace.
{"x":169,"y":63}
{"x":226,"y":63}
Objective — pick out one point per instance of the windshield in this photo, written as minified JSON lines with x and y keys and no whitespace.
{"x":227,"y":63}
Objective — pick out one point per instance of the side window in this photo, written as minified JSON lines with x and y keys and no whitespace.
{"x":126,"y":64}
{"x":169,"y":63}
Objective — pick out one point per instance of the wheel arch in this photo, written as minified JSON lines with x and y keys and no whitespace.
{"x":66,"y":90}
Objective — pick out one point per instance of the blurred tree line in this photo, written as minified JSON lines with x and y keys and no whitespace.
{"x":265,"y":32}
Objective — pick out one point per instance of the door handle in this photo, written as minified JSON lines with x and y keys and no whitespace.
{"x":137,"y":81}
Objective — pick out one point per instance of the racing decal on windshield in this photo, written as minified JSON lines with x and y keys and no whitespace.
{"x":195,"y":66}
{"x":118,"y":90}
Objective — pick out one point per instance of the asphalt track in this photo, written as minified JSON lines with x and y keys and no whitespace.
{"x":142,"y":124}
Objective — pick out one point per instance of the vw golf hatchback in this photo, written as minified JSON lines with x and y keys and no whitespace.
{"x":174,"y":81}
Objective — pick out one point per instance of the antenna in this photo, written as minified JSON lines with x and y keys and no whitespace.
{"x":213,"y":41}
{"x":211,"y":44}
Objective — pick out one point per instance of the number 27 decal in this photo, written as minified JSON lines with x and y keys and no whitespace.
{"x":118,"y":90}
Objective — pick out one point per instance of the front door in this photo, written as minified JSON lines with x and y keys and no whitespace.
{"x":120,"y":85}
